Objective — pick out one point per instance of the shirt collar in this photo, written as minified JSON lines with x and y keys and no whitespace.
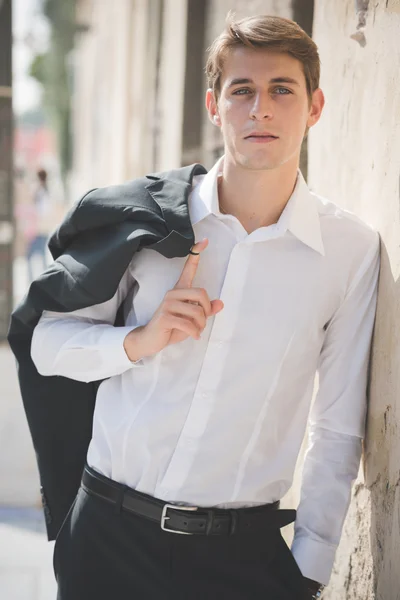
{"x":300,"y":215}
{"x":204,"y":197}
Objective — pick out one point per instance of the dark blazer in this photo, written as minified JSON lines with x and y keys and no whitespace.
{"x":92,"y":249}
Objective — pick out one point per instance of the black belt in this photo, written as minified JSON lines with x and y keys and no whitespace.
{"x":187,"y":519}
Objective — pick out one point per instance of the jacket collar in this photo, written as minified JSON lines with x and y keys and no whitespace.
{"x":170,"y":191}
{"x":300,"y":215}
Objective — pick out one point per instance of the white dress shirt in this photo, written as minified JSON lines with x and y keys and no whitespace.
{"x":220,"y":421}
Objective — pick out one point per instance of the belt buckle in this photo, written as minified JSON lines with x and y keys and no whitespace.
{"x":164,"y":517}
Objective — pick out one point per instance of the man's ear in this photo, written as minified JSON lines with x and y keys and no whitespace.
{"x":316,"y":107}
{"x":212,"y":108}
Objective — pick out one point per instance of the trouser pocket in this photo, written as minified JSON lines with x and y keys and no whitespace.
{"x":291,"y":570}
{"x":65,"y":527}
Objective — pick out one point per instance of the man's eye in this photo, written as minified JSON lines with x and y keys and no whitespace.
{"x":241,"y":92}
{"x":281,"y":91}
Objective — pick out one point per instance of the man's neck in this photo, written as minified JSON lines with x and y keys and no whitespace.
{"x":256,"y":198}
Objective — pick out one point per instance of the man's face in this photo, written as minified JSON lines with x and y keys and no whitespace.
{"x":262,"y":93}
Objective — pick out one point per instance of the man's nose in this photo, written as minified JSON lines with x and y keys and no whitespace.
{"x":262,"y":107}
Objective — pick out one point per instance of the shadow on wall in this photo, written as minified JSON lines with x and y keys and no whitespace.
{"x":382,"y":443}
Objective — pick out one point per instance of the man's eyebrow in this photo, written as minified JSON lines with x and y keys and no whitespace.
{"x":244,"y":80}
{"x":284,"y":80}
{"x":240,"y":81}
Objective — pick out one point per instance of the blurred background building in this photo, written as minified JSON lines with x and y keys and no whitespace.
{"x":109,"y":91}
{"x":6,"y":207}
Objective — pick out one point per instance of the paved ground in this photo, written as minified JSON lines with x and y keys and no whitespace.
{"x":26,"y":570}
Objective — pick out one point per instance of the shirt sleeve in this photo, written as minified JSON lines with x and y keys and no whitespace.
{"x":84,"y":344}
{"x":336,"y":425}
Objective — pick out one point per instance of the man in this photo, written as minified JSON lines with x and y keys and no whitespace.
{"x":206,"y":389}
{"x":40,"y":221}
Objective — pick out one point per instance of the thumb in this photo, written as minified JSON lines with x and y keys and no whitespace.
{"x":216,"y":306}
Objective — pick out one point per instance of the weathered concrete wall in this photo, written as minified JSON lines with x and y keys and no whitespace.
{"x":354,"y":159}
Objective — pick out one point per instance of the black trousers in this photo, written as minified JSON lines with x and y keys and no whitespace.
{"x":103,"y":553}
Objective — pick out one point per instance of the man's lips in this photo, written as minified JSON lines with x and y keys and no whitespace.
{"x":261,"y":134}
{"x":261,"y":137}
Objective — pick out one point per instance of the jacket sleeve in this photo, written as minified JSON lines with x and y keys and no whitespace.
{"x":84,"y":344}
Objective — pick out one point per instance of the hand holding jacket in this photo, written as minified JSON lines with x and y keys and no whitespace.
{"x":183,"y":313}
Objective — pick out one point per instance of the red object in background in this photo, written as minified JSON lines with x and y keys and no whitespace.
{"x":33,"y":142}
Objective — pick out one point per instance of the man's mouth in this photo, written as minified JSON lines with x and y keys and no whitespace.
{"x":261,"y":137}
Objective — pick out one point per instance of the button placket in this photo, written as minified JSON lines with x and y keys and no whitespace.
{"x":215,"y":357}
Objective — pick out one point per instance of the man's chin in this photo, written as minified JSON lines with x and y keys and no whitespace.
{"x":259,"y":163}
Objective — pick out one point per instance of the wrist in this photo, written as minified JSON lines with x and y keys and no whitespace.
{"x":132,"y":344}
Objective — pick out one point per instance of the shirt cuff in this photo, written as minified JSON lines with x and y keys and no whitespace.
{"x":315,"y":559}
{"x":112,"y":351}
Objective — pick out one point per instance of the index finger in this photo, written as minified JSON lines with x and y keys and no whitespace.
{"x":191,"y":264}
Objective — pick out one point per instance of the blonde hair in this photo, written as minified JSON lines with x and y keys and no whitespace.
{"x":264,"y":31}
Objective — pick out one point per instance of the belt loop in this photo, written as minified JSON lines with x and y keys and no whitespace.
{"x":210,"y":522}
{"x":234,"y":519}
{"x":120,"y":499}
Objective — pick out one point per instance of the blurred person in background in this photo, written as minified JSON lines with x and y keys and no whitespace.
{"x":38,"y":224}
{"x":205,"y":390}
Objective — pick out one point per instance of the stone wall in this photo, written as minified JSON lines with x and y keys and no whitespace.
{"x":354,"y":159}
